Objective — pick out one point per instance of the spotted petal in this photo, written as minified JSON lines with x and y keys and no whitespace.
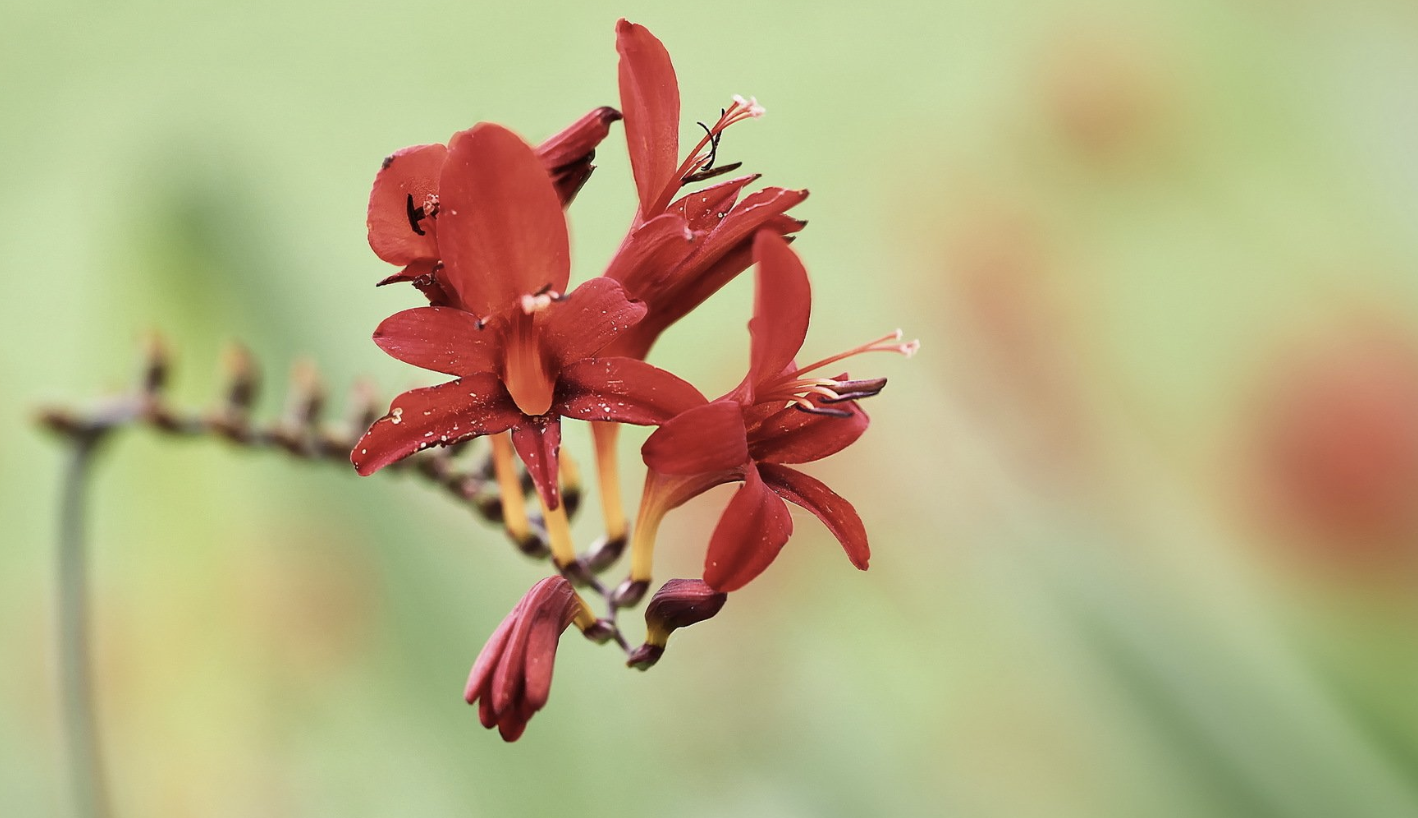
{"x":439,"y":339}
{"x":434,"y":416}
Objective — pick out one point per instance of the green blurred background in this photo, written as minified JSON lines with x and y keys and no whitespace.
{"x":1143,"y":508}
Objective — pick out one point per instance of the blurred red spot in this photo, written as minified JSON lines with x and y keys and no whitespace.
{"x":1340,"y":445}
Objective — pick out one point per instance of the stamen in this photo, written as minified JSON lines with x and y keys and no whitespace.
{"x":813,"y":409}
{"x":415,"y":215}
{"x":885,"y":343}
{"x":536,"y":302}
{"x":750,"y":106}
{"x":699,"y":163}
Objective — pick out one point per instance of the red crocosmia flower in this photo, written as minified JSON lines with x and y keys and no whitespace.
{"x":404,"y":204}
{"x":511,"y":678}
{"x":520,"y":349}
{"x":681,"y":251}
{"x":780,"y":415}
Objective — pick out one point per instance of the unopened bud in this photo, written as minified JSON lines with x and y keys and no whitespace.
{"x":156,"y":365}
{"x":307,"y":397}
{"x":644,"y":657}
{"x":629,"y":593}
{"x":243,"y":380}
{"x":604,"y":552}
{"x":678,"y":604}
{"x":601,"y":632}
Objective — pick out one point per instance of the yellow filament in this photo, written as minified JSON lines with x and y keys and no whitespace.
{"x":604,"y":435}
{"x":563,"y":551}
{"x":647,"y":524}
{"x":514,"y":506}
{"x":569,"y":473}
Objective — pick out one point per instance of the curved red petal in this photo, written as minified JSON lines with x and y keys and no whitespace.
{"x":440,"y":339}
{"x":539,"y":443}
{"x":752,"y":531}
{"x":650,"y":251}
{"x":624,"y":390}
{"x":649,"y":98}
{"x":706,"y":438}
{"x":713,"y":261}
{"x":782,"y":304}
{"x":435,"y":416}
{"x":554,"y":613}
{"x":567,"y":155}
{"x":705,"y":208}
{"x":399,"y":232}
{"x":836,"y":513}
{"x":481,"y":675}
{"x":504,"y":234}
{"x":591,"y":316}
{"x":794,"y":436}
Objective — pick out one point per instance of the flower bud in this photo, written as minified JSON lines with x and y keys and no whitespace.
{"x":511,"y":679}
{"x":678,"y":604}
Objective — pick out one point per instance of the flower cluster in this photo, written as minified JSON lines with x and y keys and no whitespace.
{"x":478,"y":227}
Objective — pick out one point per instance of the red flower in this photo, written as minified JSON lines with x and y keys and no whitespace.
{"x":511,"y":678}
{"x":778,"y":416}
{"x":404,"y":204}
{"x":680,"y":252}
{"x":520,"y":349}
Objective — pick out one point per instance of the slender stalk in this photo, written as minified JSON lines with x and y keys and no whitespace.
{"x":75,"y":663}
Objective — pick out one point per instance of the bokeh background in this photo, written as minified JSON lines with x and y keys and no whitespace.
{"x":1144,"y":509}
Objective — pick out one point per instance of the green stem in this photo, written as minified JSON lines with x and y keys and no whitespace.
{"x":76,"y":676}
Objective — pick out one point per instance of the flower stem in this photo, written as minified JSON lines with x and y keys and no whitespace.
{"x":75,"y":666}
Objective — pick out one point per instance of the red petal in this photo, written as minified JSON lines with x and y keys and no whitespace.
{"x":580,"y":325}
{"x":435,"y":416}
{"x":411,"y":172}
{"x":705,"y":208}
{"x":836,"y":513}
{"x":649,"y":97}
{"x":556,"y":608}
{"x":577,"y":140}
{"x":752,"y":531}
{"x":713,"y":262}
{"x":794,"y":436}
{"x":504,"y":234}
{"x":624,"y":390}
{"x":439,"y":339}
{"x":706,"y":438}
{"x":567,"y":155}
{"x":760,"y":209}
{"x":781,"y":306}
{"x":538,"y":443}
{"x":481,"y":674}
{"x":649,"y":252}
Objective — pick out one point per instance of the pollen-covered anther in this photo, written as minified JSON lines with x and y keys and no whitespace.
{"x":853,"y":390}
{"x":536,"y":302}
{"x":749,"y":107}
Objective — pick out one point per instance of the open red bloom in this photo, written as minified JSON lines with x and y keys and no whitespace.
{"x":778,"y":416}
{"x":520,"y":349}
{"x":404,"y":204}
{"x":511,"y":678}
{"x":681,"y":251}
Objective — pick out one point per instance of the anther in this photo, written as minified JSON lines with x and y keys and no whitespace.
{"x":803,"y":405}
